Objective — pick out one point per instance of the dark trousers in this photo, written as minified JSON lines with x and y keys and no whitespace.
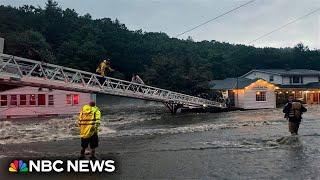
{"x":93,"y":141}
{"x":294,"y":127}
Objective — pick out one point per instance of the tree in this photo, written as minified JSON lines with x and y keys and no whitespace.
{"x":190,"y":39}
{"x":29,"y":44}
{"x":179,"y":73}
{"x":301,"y":48}
{"x":81,"y":42}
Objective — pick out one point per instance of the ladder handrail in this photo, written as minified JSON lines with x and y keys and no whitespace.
{"x":190,"y":99}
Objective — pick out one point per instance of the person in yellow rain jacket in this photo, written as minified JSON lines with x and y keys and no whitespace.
{"x":89,"y":123}
{"x":103,"y":66}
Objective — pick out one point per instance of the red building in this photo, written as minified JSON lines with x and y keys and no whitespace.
{"x":38,"y":102}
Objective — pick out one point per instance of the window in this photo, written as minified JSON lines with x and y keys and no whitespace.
{"x":32,"y":100}
{"x":13,"y":100}
{"x":261,"y":96}
{"x":3,"y":100}
{"x":271,"y":79}
{"x":75,"y":99}
{"x":41,"y":99}
{"x":50,"y":100}
{"x":296,"y":79}
{"x":23,"y":100}
{"x":69,"y":99}
{"x":72,"y":99}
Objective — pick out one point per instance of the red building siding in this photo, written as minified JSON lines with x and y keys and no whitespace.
{"x":31,"y":101}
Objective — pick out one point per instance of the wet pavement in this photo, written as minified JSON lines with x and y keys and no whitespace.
{"x":149,"y":142}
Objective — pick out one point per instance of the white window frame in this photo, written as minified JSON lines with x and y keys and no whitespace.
{"x":36,"y":100}
{"x":25,"y":100}
{"x":2,"y":100}
{"x":259,"y":97}
{"x":12,"y":101}
{"x":53,"y":101}
{"x":68,"y":104}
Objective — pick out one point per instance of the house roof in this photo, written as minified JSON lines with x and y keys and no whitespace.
{"x":287,"y":72}
{"x":231,"y":83}
{"x":312,"y":85}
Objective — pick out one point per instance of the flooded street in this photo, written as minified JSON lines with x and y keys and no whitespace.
{"x":151,"y":143}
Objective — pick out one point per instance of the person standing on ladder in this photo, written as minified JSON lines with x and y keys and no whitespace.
{"x":136,"y":79}
{"x":104,"y":67}
{"x":89,"y":123}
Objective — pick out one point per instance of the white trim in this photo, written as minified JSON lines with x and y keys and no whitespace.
{"x":256,"y":70}
{"x":283,"y":75}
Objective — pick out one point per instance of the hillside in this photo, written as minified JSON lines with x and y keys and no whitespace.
{"x":64,"y":37}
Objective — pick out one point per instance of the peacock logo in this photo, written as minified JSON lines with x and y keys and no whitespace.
{"x":18,"y":166}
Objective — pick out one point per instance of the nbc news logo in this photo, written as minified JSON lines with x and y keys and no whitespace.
{"x":18,"y":166}
{"x":58,"y":166}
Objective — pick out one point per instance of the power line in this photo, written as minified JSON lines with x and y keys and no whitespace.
{"x":225,"y":13}
{"x":283,"y":26}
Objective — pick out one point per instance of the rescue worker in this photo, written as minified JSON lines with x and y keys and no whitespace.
{"x":136,"y":79}
{"x":103,"y":67}
{"x":293,"y":112}
{"x":89,"y":123}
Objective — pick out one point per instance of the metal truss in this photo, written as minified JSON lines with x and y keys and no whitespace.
{"x":22,"y":71}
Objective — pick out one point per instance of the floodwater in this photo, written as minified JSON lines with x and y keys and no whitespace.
{"x":148,"y":142}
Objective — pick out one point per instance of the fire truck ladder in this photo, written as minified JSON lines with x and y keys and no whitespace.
{"x":25,"y":72}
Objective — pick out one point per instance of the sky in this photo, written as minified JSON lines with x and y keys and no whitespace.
{"x":176,"y":16}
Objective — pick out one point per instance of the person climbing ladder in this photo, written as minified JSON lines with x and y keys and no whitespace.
{"x":104,"y":68}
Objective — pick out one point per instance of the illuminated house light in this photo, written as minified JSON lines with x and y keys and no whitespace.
{"x":278,"y":83}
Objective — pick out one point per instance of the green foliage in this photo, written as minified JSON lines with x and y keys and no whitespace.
{"x":64,"y":37}
{"x":30,"y":44}
{"x":183,"y":72}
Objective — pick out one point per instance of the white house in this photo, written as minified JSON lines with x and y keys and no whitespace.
{"x":285,"y":76}
{"x":247,"y":93}
{"x":18,"y":102}
{"x":304,"y":84}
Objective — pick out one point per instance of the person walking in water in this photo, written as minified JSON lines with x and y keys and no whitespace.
{"x":136,"y":79}
{"x":104,"y":67}
{"x":293,"y":112}
{"x":89,"y":123}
